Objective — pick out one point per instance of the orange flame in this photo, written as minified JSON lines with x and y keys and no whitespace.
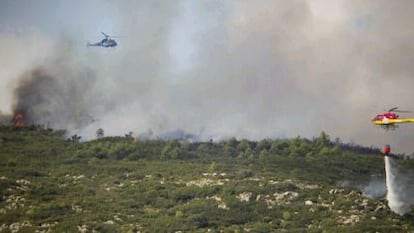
{"x":18,"y":120}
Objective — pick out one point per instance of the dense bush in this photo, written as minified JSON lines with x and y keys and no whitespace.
{"x":116,"y":184}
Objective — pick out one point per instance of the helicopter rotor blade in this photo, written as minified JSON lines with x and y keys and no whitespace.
{"x":402,"y":111}
{"x":394,"y":109}
{"x":109,"y":36}
{"x":117,"y":36}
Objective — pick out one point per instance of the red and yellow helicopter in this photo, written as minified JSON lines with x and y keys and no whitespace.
{"x":389,"y":119}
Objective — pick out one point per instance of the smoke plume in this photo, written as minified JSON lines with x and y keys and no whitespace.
{"x":249,"y":69}
{"x":45,"y":97}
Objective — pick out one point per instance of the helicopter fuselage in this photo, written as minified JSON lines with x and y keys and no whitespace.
{"x":107,"y":43}
{"x":389,"y":119}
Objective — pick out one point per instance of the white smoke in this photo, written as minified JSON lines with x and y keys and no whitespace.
{"x":376,"y":188}
{"x":400,"y":187}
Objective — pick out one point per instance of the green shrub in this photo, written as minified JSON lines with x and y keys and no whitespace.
{"x":49,"y":212}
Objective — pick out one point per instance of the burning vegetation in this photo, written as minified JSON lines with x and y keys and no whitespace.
{"x":18,"y":120}
{"x":53,"y":96}
{"x":31,"y":95}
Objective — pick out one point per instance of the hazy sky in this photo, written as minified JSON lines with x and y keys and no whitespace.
{"x":250,"y":69}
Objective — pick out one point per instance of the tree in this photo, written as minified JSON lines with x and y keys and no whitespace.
{"x":279,"y":147}
{"x":322,"y":140}
{"x":75,"y":138}
{"x":264,"y":144}
{"x":232,"y":142}
{"x":172,"y":150}
{"x":129,"y":134}
{"x":243,"y":146}
{"x":100,"y":133}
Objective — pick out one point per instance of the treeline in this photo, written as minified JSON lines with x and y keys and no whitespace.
{"x":316,"y":158}
{"x":129,"y":148}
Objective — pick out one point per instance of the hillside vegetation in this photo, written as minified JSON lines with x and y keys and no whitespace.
{"x":117,"y":184}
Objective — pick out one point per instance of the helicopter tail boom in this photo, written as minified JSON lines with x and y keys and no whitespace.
{"x":393,"y":121}
{"x":88,"y":44}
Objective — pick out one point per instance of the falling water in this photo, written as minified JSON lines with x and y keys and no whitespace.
{"x":400,"y":187}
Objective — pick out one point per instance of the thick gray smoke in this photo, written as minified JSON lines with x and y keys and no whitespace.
{"x":400,"y":187}
{"x":250,"y":69}
{"x":58,"y":92}
{"x":54,"y":99}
